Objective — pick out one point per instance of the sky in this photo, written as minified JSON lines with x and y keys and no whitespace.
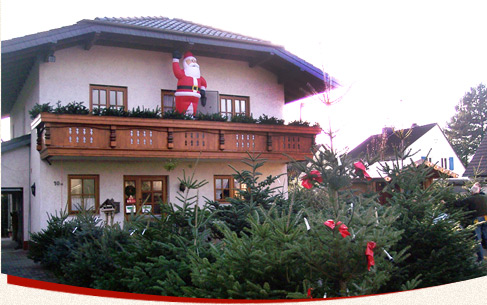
{"x":399,"y":62}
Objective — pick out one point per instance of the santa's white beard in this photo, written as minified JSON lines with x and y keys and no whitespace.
{"x":193,"y":70}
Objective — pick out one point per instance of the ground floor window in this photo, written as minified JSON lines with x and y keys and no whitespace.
{"x":144,"y":194}
{"x":83,"y":193}
{"x":227,"y":187}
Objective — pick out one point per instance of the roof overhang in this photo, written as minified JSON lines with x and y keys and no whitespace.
{"x":20,"y":54}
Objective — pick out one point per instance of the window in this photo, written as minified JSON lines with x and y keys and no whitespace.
{"x":167,"y":101}
{"x":444,"y":163}
{"x":83,"y":193}
{"x":227,"y":187}
{"x":234,"y":105}
{"x":108,"y":97}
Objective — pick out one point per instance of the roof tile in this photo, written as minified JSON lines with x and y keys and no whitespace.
{"x":164,"y":23}
{"x":375,"y":144}
{"x":478,"y":165}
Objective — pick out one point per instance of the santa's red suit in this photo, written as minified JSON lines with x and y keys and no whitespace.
{"x":189,"y":88}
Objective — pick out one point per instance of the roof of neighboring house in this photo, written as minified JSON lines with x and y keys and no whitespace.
{"x":163,"y":35}
{"x":478,"y":165}
{"x":16,"y":143}
{"x":389,"y":140}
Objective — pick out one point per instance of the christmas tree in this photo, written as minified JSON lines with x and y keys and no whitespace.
{"x":256,"y":193}
{"x":350,"y":237}
{"x":439,"y":241}
{"x":333,"y":247}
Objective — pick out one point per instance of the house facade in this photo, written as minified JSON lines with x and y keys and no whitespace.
{"x":426,"y":144}
{"x":68,"y":161}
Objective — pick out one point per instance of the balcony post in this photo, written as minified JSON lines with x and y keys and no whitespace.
{"x":39,"y":138}
{"x":269,"y":142}
{"x":170,"y":138}
{"x":47,"y":134}
{"x":113,"y":136}
{"x":221,"y":139}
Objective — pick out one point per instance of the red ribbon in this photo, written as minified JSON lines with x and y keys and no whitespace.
{"x":314,"y":175}
{"x":360,"y":167}
{"x":330,"y":224}
{"x":369,"y":252}
{"x":343,"y":229}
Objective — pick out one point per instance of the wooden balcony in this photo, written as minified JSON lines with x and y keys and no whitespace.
{"x":86,"y":136}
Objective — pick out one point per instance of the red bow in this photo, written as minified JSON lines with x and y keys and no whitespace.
{"x":343,"y":229}
{"x":309,"y":293}
{"x":360,"y":167}
{"x":369,"y":252}
{"x":314,"y":175}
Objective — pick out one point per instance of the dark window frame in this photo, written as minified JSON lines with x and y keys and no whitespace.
{"x":233,"y":102}
{"x":107,"y":90}
{"x":96,"y":193}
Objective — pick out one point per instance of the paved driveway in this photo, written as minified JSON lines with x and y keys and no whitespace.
{"x":15,"y":262}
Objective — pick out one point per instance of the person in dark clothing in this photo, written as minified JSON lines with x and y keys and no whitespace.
{"x":477,"y":204}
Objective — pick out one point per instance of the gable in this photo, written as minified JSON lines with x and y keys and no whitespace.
{"x":425,"y":143}
{"x":386,"y":143}
{"x":161,"y":35}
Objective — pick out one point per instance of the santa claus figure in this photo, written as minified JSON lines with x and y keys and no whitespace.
{"x":191,"y":86}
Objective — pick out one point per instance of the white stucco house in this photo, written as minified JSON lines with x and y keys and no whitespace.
{"x":427,"y":145}
{"x":59,"y":161}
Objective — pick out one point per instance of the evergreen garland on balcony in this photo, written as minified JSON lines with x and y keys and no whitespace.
{"x":141,"y":112}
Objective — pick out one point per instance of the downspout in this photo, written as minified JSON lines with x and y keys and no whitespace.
{"x":29,"y":223}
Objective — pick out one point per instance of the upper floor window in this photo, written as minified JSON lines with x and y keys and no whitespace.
{"x":108,"y":97}
{"x":167,"y":100}
{"x":83,"y":193}
{"x":234,"y":105}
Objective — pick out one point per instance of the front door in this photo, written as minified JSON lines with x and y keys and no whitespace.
{"x":144,"y":194}
{"x":12,"y":214}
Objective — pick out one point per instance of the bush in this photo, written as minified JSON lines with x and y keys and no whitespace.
{"x":211,"y":117}
{"x":145,"y":113}
{"x":243,"y":119}
{"x":71,"y":108}
{"x":299,"y":123}
{"x":39,"y":108}
{"x":264,"y":119}
{"x":120,"y":112}
{"x":174,"y":115}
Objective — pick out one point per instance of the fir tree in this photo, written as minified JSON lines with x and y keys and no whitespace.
{"x":258,"y":263}
{"x":440,"y":249}
{"x":276,"y":256}
{"x":257,"y":193}
{"x":468,"y":126}
{"x":160,"y":261}
{"x":342,"y":223}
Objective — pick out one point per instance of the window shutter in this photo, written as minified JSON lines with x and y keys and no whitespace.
{"x":211,"y":103}
{"x":451,"y":163}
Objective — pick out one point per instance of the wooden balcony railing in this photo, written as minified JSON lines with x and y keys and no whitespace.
{"x":82,"y":136}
